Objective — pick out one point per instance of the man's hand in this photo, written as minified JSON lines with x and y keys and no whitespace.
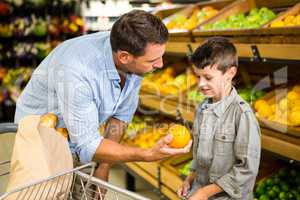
{"x":161,"y":150}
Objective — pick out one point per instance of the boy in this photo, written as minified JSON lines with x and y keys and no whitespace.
{"x":226,"y":152}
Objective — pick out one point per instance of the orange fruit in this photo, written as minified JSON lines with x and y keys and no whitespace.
{"x":63,"y":131}
{"x":181,"y":136}
{"x":49,"y":120}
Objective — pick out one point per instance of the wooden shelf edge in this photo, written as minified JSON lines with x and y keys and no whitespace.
{"x":268,"y":51}
{"x":281,"y":147}
{"x":143,"y":173}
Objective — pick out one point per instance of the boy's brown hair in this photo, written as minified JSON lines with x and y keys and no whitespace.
{"x":216,"y":51}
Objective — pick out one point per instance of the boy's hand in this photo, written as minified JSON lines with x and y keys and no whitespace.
{"x":199,"y":195}
{"x":161,"y":150}
{"x":183,"y":190}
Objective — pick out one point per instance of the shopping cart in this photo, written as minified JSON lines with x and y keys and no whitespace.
{"x":70,"y":185}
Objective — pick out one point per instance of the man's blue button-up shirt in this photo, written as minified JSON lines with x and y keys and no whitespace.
{"x":78,"y":82}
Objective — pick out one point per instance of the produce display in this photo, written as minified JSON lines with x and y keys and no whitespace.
{"x":148,"y":137}
{"x":37,"y":50}
{"x":138,"y":123}
{"x":14,"y":80}
{"x":144,"y":131}
{"x":255,"y":19}
{"x":250,"y":95}
{"x":195,"y":96}
{"x":167,"y":82}
{"x":185,"y":170}
{"x":5,"y":8}
{"x":40,"y":27}
{"x":182,"y":22}
{"x":284,"y":185}
{"x":290,"y":20}
{"x":285,"y":110}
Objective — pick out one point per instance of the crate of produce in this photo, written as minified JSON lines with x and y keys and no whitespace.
{"x":169,"y":82}
{"x":244,"y":19}
{"x":280,"y":110}
{"x":283,"y":184}
{"x":193,"y":96}
{"x":163,"y":13}
{"x":288,"y":19}
{"x":175,"y":169}
{"x":181,"y":23}
{"x":144,"y":131}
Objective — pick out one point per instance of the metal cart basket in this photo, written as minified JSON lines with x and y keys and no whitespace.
{"x":70,"y":185}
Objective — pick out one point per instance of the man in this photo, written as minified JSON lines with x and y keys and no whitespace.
{"x":93,"y":79}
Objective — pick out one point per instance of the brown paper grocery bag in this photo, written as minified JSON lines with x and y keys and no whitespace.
{"x":39,"y":152}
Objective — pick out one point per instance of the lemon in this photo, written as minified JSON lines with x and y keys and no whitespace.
{"x":272,"y":117}
{"x":294,"y":117}
{"x":292,"y":95}
{"x":265,"y":111}
{"x":289,"y":19}
{"x":283,"y":104}
{"x":296,"y":88}
{"x":297,"y":20}
{"x":273,"y":108}
{"x":278,"y":23}
{"x":260,"y":103}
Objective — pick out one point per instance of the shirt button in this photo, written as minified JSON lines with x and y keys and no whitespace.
{"x":242,"y":102}
{"x":223,"y":137}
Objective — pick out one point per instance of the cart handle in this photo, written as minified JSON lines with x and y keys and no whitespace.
{"x":8,"y":128}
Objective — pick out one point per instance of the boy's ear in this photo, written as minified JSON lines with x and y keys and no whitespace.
{"x":231,"y":72}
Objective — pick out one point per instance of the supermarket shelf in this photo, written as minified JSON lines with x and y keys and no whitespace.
{"x":168,"y":106}
{"x":267,"y":51}
{"x":286,"y":148}
{"x":273,"y":141}
{"x":143,"y":172}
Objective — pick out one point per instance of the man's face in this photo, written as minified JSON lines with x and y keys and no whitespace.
{"x":212,"y":82}
{"x":151,"y":60}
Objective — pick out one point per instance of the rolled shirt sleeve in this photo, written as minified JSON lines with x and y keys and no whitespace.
{"x":80,"y":113}
{"x":247,"y":147}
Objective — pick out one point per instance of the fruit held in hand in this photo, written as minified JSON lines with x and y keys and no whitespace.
{"x":181,"y":136}
{"x":49,"y":120}
{"x":63,"y":131}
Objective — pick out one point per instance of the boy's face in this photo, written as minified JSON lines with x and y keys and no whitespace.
{"x":214,"y":83}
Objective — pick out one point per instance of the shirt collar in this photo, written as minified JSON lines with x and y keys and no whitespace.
{"x":225,"y":102}
{"x":110,"y":66}
{"x":220,"y":107}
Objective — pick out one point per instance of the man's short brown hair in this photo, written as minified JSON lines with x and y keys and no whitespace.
{"x":134,"y":30}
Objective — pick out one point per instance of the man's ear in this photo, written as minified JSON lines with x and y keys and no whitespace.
{"x":124,"y":57}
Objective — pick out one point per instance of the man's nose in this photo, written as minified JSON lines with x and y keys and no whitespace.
{"x":159,"y":64}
